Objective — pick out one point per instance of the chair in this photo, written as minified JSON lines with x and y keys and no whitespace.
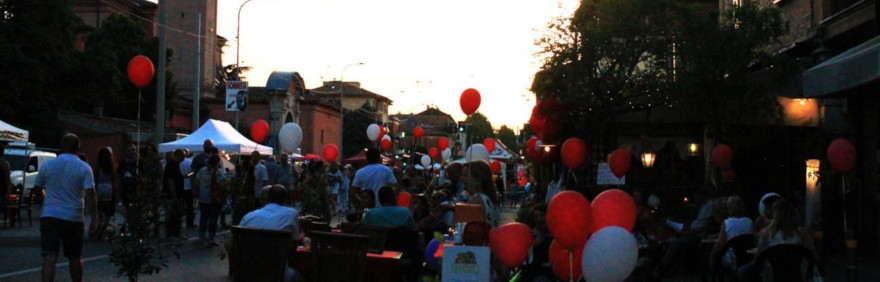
{"x":787,"y":262}
{"x":468,"y":213}
{"x":740,"y":245}
{"x":338,"y":256}
{"x":12,"y":209}
{"x":378,"y":237}
{"x":476,"y":233}
{"x":27,"y":203}
{"x":259,"y":254}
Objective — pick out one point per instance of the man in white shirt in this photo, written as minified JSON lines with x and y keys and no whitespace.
{"x":261,"y":176}
{"x":275,"y":215}
{"x":67,"y":182}
{"x":372,"y":177}
{"x":187,"y":197}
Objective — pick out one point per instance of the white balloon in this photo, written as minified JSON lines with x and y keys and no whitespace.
{"x":290,"y":137}
{"x":426,"y":161}
{"x":386,"y":137}
{"x":447,"y":154}
{"x":610,"y":255}
{"x":373,"y":132}
{"x":477,"y":152}
{"x":653,"y":201}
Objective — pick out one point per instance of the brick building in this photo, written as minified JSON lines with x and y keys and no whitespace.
{"x":355,"y":98}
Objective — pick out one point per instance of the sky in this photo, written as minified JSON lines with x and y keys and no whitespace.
{"x":416,"y":52}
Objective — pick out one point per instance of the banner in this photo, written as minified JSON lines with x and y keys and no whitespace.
{"x":236,"y":96}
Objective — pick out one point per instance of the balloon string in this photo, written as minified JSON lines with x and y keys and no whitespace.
{"x":137,"y":158}
{"x":570,"y":266}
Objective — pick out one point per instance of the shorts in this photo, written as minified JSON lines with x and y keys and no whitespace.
{"x":56,"y":233}
{"x":108,"y":208}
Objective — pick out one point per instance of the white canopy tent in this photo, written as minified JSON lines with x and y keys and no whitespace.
{"x":9,"y":133}
{"x":225,"y":138}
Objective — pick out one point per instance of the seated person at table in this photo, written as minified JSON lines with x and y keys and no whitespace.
{"x":441,"y":215}
{"x":688,"y":237}
{"x":478,"y":178}
{"x":389,"y":215}
{"x":275,"y":215}
{"x":737,"y":224}
{"x":783,"y":229}
{"x":765,"y":210}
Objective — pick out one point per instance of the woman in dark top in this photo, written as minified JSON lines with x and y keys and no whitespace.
{"x":105,"y":184}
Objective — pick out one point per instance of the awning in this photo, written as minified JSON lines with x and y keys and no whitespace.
{"x":857,"y":66}
{"x":9,"y":133}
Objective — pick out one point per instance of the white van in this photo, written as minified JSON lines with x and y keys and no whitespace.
{"x":15,"y":155}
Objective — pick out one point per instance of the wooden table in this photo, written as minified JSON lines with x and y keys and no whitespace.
{"x":379,"y":267}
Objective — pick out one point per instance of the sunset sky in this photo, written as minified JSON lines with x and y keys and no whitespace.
{"x":415,"y":52}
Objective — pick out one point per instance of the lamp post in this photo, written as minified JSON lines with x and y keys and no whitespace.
{"x":237,"y":51}
{"x":341,"y":108}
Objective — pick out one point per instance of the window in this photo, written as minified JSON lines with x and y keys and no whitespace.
{"x":33,"y":163}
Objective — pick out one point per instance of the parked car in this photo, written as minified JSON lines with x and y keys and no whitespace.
{"x":25,"y":161}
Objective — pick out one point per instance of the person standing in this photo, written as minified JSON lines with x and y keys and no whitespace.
{"x":260,"y":175}
{"x":271,"y":170}
{"x":342,"y":201}
{"x":127,"y":174}
{"x":172,"y":188}
{"x":68,"y":182}
{"x":372,"y":177}
{"x":5,"y":171}
{"x":477,"y":175}
{"x":334,"y":182}
{"x":211,"y":178}
{"x":285,"y":175}
{"x":105,"y":178}
{"x":186,"y":198}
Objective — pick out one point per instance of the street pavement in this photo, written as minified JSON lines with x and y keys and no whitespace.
{"x":20,"y":258}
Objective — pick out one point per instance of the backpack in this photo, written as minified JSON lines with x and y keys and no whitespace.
{"x":218,"y":191}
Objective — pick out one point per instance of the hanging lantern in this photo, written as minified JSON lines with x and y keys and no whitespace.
{"x":648,"y":159}
{"x":693,"y":149}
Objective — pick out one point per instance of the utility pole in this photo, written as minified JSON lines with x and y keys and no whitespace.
{"x":160,"y":85}
{"x":197,"y":92}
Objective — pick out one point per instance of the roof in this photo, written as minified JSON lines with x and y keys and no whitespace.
{"x":323,"y":100}
{"x":432,"y":120}
{"x":224,"y":136}
{"x":352,"y":89}
{"x":103,"y":124}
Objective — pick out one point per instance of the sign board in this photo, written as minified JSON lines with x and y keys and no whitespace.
{"x":606,"y":177}
{"x":236,"y":96}
{"x":466,"y":264}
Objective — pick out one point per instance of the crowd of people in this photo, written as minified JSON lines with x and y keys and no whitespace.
{"x":275,"y":193}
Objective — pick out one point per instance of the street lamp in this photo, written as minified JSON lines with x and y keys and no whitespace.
{"x":648,"y":159}
{"x":237,"y":39}
{"x":341,"y":117}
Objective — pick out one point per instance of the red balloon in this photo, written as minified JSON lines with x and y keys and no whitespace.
{"x":842,"y":155}
{"x":470,"y":101}
{"x":536,"y":121}
{"x":531,"y":151}
{"x":381,"y":132}
{"x":566,"y":263}
{"x":722,"y":155}
{"x":619,"y":161}
{"x":259,"y":131}
{"x":574,"y":153}
{"x":614,"y":208}
{"x":433,"y":153}
{"x":551,"y":132}
{"x":728,"y":175}
{"x":418,"y":131}
{"x":404,"y":198}
{"x":551,"y":107}
{"x":140,"y":71}
{"x":385,"y":144}
{"x":569,"y":217}
{"x":331,"y":151}
{"x":496,"y":166}
{"x":489,"y":143}
{"x":442,"y":143}
{"x":511,"y":243}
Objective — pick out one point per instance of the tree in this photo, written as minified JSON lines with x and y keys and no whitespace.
{"x":612,"y":57}
{"x":721,"y":65}
{"x":508,"y":137}
{"x":478,"y":128}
